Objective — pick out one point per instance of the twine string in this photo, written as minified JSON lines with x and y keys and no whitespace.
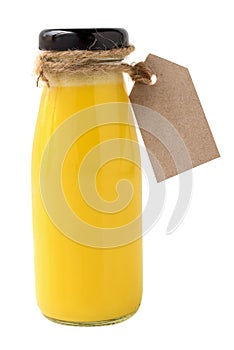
{"x":70,"y":62}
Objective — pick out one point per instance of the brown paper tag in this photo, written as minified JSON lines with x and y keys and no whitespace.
{"x":171,"y":119}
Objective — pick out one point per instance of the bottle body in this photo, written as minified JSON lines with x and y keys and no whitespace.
{"x":78,"y":283}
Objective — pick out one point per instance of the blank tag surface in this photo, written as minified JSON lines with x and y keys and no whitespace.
{"x":173,"y":125}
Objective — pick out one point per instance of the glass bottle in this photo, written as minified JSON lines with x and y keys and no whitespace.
{"x":86,"y":190}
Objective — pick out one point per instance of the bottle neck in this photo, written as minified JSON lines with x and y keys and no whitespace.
{"x":89,"y":91}
{"x":81,"y":79}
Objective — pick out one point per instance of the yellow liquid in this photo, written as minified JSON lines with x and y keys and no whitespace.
{"x":78,"y":284}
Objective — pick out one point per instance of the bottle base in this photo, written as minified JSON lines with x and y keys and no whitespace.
{"x":92,"y":323}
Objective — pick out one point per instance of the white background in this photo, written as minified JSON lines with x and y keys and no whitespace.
{"x":188,"y":300}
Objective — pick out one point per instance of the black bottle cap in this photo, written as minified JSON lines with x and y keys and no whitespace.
{"x":83,"y":39}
